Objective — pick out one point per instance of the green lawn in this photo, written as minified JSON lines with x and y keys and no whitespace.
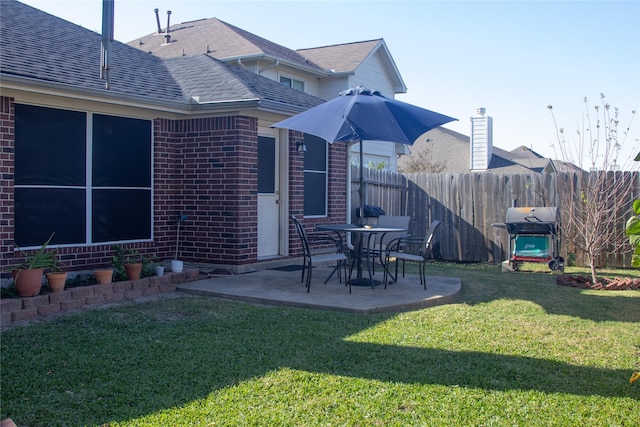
{"x":515,"y":349}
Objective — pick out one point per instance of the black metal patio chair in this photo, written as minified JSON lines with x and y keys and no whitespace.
{"x":410,"y":249}
{"x":337,"y":253}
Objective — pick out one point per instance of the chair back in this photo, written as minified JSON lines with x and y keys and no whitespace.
{"x":396,"y":221}
{"x":302,"y":235}
{"x":430,"y":238}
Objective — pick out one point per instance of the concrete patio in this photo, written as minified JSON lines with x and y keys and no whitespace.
{"x":280,"y":287}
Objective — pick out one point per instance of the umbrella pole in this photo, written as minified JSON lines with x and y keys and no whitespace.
{"x":363,"y":193}
{"x":362,"y":190}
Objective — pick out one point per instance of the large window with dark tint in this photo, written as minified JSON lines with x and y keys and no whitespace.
{"x":315,"y":176}
{"x":87,"y":187}
{"x":121,"y":179}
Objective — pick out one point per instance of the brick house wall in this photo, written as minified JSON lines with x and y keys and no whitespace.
{"x":204,"y":168}
{"x":7,"y":137}
{"x":336,"y":187}
{"x":215,"y":186}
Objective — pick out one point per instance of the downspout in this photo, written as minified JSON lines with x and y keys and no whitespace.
{"x":270,"y":67}
{"x":241,"y":64}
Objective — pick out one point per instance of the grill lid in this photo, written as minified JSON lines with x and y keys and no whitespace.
{"x":532,"y":220}
{"x":533,"y":215}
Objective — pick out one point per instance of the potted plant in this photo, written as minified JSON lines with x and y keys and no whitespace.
{"x":56,"y":278}
{"x":27,"y":275}
{"x":159,"y":270}
{"x":126,"y":263}
{"x":103,"y":276}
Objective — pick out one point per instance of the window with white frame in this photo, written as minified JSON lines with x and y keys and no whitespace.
{"x":315,"y":176}
{"x":85,"y":176}
{"x":292,"y":83}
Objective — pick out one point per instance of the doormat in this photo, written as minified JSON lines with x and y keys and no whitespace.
{"x":288,"y":268}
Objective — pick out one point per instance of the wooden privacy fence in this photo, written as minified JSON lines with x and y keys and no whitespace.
{"x":468,"y":204}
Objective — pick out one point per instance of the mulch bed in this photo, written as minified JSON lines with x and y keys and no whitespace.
{"x":605,"y":283}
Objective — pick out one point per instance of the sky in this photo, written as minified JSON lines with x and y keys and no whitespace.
{"x":513,"y":58}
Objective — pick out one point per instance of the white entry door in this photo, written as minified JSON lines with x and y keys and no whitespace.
{"x":268,"y":198}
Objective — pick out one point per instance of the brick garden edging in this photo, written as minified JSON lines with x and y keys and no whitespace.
{"x":41,"y":306}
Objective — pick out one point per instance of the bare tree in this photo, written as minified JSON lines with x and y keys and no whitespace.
{"x":422,"y":161}
{"x":595,"y":203}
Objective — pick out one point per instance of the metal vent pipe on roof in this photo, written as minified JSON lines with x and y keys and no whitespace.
{"x":168,"y":18}
{"x":158,"y":21}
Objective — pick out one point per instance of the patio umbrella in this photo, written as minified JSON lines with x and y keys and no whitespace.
{"x":360,"y":114}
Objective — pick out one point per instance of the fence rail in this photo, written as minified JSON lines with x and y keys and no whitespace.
{"x":469,"y":204}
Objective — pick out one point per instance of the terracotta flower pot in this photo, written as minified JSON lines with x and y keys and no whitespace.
{"x":133,"y":270}
{"x":57,"y":280}
{"x":28,"y":282}
{"x":104,"y":276}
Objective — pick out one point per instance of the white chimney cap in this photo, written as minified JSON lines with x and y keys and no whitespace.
{"x":481,"y":111}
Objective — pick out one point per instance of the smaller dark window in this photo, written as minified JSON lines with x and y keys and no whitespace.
{"x":266,"y":165}
{"x":315,"y":176}
{"x":292,"y":83}
{"x":315,"y":190}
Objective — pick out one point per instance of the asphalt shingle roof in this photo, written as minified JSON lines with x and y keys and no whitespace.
{"x":213,"y":80}
{"x":215,"y":38}
{"x":39,"y":46}
{"x":341,"y":58}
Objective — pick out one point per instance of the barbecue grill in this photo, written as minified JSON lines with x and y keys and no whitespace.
{"x":534,"y":236}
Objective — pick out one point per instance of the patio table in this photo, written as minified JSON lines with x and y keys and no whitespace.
{"x":363,"y":233}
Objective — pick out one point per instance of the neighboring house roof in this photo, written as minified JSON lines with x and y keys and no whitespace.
{"x":346,"y":58}
{"x":567,"y":167}
{"x":220,"y":40}
{"x":450,"y":152}
{"x":529,"y":158}
{"x":37,"y":48}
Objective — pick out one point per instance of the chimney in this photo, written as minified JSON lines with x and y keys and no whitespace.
{"x":158,"y":21}
{"x":481,"y":145}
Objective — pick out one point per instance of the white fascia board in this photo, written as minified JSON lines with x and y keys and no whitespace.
{"x":307,"y":69}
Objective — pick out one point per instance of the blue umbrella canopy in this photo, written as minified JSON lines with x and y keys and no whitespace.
{"x":360,"y":114}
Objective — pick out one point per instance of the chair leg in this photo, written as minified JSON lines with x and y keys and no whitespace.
{"x":373,"y":263}
{"x":387,"y":271}
{"x":347,"y":280}
{"x":385,"y":275}
{"x":304,"y":267}
{"x":309,"y":278}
